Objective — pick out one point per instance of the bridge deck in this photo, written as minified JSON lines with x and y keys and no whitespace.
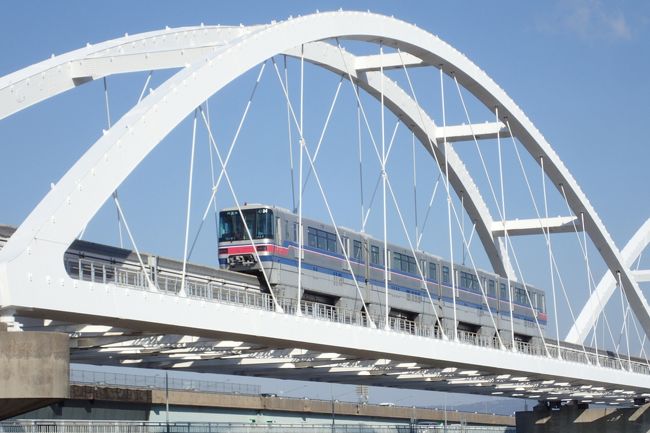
{"x":226,"y":324}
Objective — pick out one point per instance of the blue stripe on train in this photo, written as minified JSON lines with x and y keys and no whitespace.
{"x":421,"y":293}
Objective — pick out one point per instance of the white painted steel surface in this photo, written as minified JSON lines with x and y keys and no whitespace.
{"x":32,"y":276}
{"x":606,"y":286}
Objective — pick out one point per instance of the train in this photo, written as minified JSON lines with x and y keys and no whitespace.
{"x":328,"y":278}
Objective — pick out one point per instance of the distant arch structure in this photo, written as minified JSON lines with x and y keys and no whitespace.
{"x":209,"y":58}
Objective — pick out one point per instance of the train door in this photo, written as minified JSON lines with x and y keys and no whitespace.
{"x":366,"y":258}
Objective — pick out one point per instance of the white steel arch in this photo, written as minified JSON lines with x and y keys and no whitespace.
{"x":58,"y":219}
{"x":605,"y":289}
{"x":176,"y":48}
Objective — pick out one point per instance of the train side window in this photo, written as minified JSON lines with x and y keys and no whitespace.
{"x":469,"y":281}
{"x":520,"y":296}
{"x":445,"y":275}
{"x":321,"y":239}
{"x":357,"y":250}
{"x":492,"y":290}
{"x":504,"y":292}
{"x":295,"y":232}
{"x":404,"y":263}
{"x":433,"y":271}
{"x":375,"y":258}
{"x":331,"y":242}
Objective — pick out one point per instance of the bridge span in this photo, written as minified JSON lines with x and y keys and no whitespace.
{"x":124,"y":307}
{"x":287,"y":346}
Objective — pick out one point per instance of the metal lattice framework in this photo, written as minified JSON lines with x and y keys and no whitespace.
{"x":32,"y":277}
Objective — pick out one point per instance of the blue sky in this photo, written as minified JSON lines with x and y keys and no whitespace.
{"x":577,"y":68}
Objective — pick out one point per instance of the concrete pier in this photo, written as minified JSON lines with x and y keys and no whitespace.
{"x":34,"y":370}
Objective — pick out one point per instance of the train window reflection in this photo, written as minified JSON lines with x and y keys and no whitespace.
{"x":259,"y":222}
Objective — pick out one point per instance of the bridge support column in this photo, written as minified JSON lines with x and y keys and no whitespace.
{"x":34,"y":370}
{"x":574,"y":418}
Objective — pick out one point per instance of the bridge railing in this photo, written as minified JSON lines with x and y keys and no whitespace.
{"x":124,"y":380}
{"x":222,"y":291}
{"x":57,"y":426}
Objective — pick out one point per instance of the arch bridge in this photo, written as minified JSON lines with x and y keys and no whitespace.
{"x":210,"y":321}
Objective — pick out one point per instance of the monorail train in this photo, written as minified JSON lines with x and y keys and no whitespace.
{"x":327,"y":276}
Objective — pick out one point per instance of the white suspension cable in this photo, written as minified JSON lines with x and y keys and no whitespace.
{"x":415,"y":189}
{"x":324,"y":129}
{"x":446,"y":184}
{"x":212,"y":183}
{"x":383,"y":183}
{"x":289,"y":128}
{"x":392,"y":138}
{"x":478,"y":148}
{"x":144,"y":88}
{"x":471,"y":235}
{"x":546,"y":234}
{"x":356,"y":95}
{"x":379,"y":178}
{"x":462,"y":228}
{"x":326,"y":202}
{"x":278,"y":308}
{"x":550,"y":252}
{"x":215,"y":185}
{"x":300,"y":184}
{"x":450,"y":233}
{"x":627,"y":339}
{"x":109,"y":123}
{"x":593,"y":281}
{"x":505,"y":233}
{"x":642,"y":352}
{"x":417,"y":262}
{"x":150,"y":284}
{"x":372,"y":200}
{"x":363,"y":220}
{"x":523,"y":282}
{"x":426,"y":214}
{"x":480,"y":284}
{"x":500,"y":209}
{"x":547,"y":238}
{"x":588,"y":273}
{"x":189,"y":207}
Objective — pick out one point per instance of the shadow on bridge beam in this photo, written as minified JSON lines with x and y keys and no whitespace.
{"x":573,"y":418}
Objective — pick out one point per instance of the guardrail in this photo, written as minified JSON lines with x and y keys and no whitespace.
{"x":55,"y":426}
{"x":86,"y":377}
{"x":226,"y":292}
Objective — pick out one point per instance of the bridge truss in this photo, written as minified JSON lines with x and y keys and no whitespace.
{"x":142,"y":324}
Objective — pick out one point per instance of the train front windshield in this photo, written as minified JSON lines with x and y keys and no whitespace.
{"x":259,"y":222}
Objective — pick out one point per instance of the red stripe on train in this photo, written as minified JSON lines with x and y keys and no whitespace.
{"x":248,"y":249}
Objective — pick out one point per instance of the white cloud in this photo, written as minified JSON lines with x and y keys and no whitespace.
{"x":592,"y":19}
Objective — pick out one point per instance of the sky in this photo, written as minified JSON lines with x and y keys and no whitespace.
{"x":577,"y":68}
